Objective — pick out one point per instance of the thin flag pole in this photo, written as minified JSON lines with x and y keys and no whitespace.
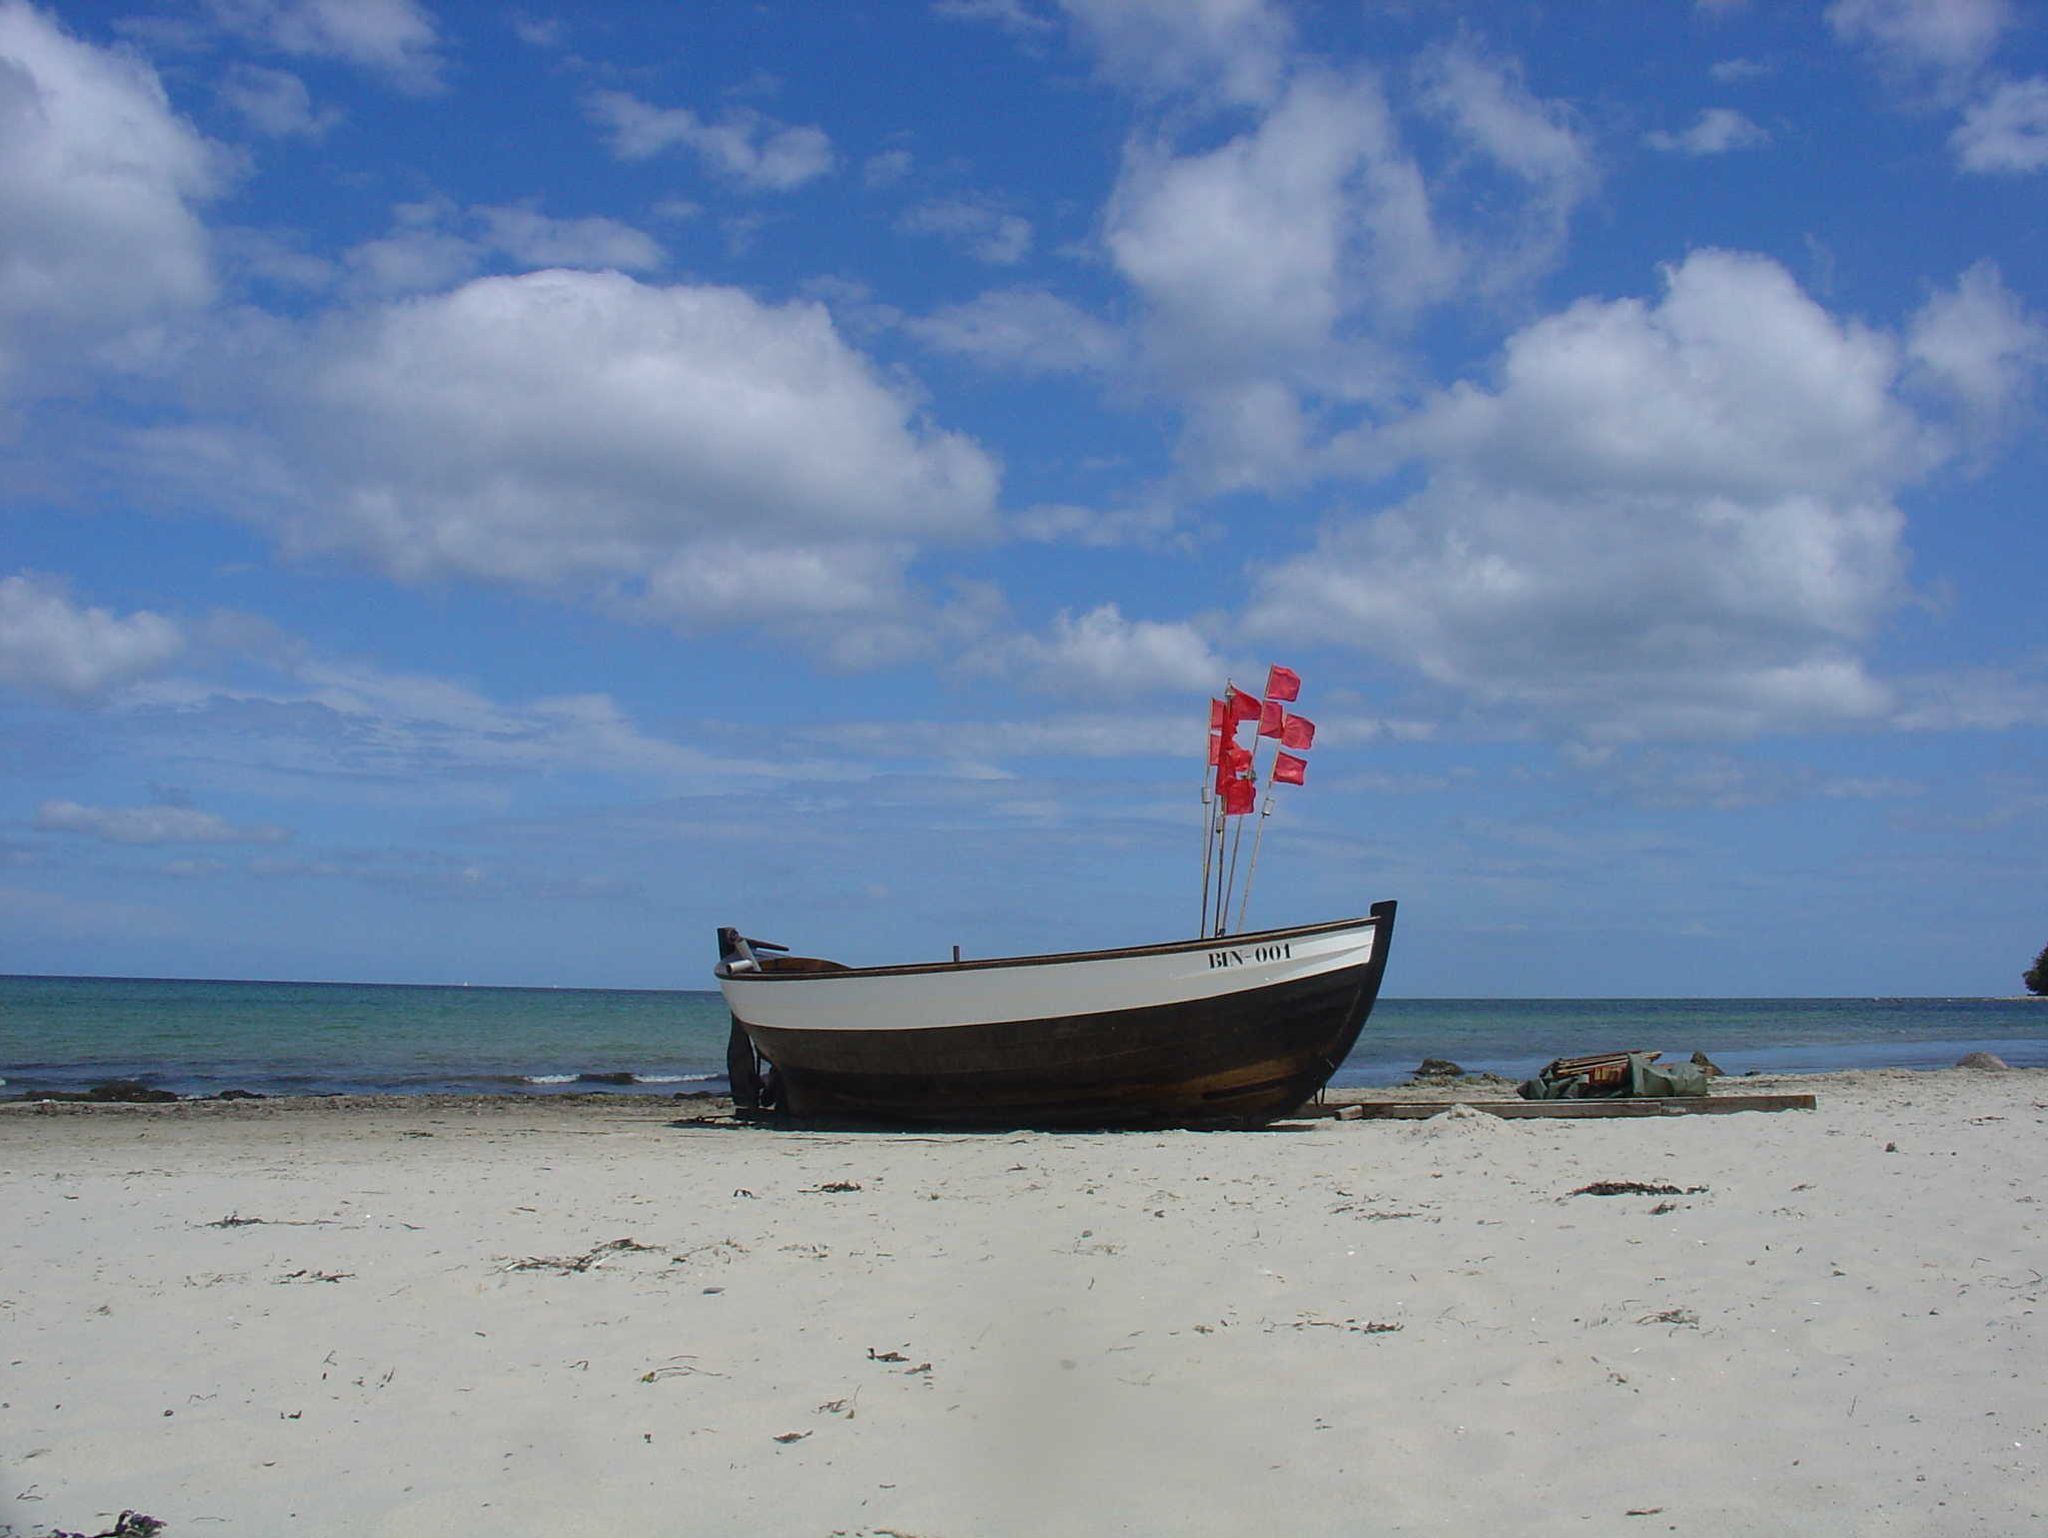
{"x":1252,"y":870}
{"x":1222,"y":823}
{"x":1236,"y":843}
{"x":1226,"y":869}
{"x":1258,"y":739}
{"x":1206,"y":851}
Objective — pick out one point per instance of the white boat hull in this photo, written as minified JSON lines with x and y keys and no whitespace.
{"x":1236,"y":1028}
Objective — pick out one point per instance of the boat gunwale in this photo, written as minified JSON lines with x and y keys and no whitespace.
{"x":1060,"y":958}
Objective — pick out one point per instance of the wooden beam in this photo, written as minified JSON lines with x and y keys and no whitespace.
{"x":1666,"y":1105}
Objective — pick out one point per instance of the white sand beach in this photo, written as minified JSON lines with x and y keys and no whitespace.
{"x":442,"y":1316}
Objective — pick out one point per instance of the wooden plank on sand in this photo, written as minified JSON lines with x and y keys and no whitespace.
{"x":1666,"y":1105}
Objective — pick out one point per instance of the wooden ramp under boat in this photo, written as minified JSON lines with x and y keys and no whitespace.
{"x":1665,"y":1105}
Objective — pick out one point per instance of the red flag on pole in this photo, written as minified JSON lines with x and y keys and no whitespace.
{"x":1215,"y":750}
{"x":1295,"y":731}
{"x":1219,"y":715}
{"x":1282,"y":683}
{"x":1271,"y":717}
{"x":1243,"y":707}
{"x":1231,"y":761}
{"x":1289,"y":770}
{"x":1238,"y":797}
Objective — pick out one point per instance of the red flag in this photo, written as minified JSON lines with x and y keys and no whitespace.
{"x":1289,"y":770}
{"x":1238,"y":797}
{"x":1282,"y":683}
{"x":1219,"y":716}
{"x":1215,"y":750}
{"x":1243,"y":707}
{"x":1231,"y":761}
{"x":1271,"y":717}
{"x":1295,"y":732}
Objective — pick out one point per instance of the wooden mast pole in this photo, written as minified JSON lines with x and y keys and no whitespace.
{"x":1207,"y":848}
{"x":1252,"y":870}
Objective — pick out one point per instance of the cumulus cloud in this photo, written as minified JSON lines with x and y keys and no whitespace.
{"x":274,"y":102}
{"x":1942,"y":43}
{"x":1719,"y":130}
{"x":1277,"y":271}
{"x":1668,"y":519}
{"x":526,"y":235}
{"x":1029,"y":330}
{"x":1237,"y":49}
{"x":1978,"y":341}
{"x":1249,"y":256}
{"x":51,"y":644}
{"x":1531,"y":141}
{"x":981,"y":229}
{"x":745,"y":146}
{"x":1739,"y":71}
{"x":1735,"y":384}
{"x":434,"y":245}
{"x":687,"y":452}
{"x":101,"y":244}
{"x":1102,"y":652}
{"x":2006,"y":132}
{"x":392,"y":38}
{"x":151,"y":825}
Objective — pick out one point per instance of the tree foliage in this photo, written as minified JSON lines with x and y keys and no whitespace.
{"x":2036,"y":976}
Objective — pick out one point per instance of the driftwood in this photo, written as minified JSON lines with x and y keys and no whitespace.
{"x":1667,"y":1105}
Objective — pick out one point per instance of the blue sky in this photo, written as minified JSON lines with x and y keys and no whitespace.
{"x":488,"y":494}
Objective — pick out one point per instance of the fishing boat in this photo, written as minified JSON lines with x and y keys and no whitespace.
{"x":1228,"y":1027}
{"x":1239,"y":1028}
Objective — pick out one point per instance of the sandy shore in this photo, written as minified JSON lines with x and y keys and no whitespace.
{"x":436,"y":1317}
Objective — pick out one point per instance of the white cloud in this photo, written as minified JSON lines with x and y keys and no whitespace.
{"x":1102,"y":652}
{"x":2007,"y":131}
{"x":1027,"y":329}
{"x":981,"y":229}
{"x":746,"y":146}
{"x":151,"y":825}
{"x":526,"y":235}
{"x":410,"y":739}
{"x":275,"y":102}
{"x":51,"y":644}
{"x":1251,"y":255}
{"x":419,"y":255}
{"x":539,"y":31}
{"x":274,"y":257}
{"x":886,"y":168}
{"x":1719,"y":130}
{"x":1486,"y":103}
{"x":1736,"y":384}
{"x":1148,"y":524}
{"x":1237,"y":49}
{"x":1661,"y":520}
{"x":686,"y":453}
{"x":1979,"y":341}
{"x":1275,"y":270}
{"x":1973,"y":699}
{"x":393,"y":38}
{"x":100,"y":243}
{"x":1942,"y":41}
{"x":1736,"y":71}
{"x":434,"y":245}
{"x":1011,"y":15}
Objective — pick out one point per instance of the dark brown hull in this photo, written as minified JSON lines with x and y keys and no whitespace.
{"x":1246,"y":1057}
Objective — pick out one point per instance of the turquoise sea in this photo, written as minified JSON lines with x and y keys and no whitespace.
{"x":198,"y":1038}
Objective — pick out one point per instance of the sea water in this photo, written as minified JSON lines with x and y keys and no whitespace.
{"x":270,"y":1038}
